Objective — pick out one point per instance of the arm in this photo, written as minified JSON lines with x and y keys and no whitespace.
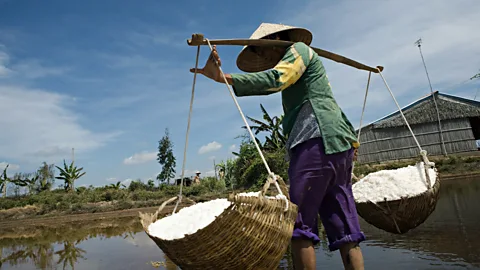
{"x":285,"y":73}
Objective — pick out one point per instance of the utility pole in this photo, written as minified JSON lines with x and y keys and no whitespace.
{"x":419,"y":45}
{"x":215,"y":169}
{"x":73,"y":155}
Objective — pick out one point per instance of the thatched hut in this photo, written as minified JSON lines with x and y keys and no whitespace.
{"x":187,"y":181}
{"x":389,"y":138}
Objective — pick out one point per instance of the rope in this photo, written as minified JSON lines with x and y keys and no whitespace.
{"x":188,"y":130}
{"x":272,"y":176}
{"x":364,"y":105}
{"x":400,"y":110}
{"x":361,"y":117}
{"x":246,"y":124}
{"x":423,"y":152}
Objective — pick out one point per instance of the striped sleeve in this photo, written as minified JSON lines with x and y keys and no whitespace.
{"x":290,"y":68}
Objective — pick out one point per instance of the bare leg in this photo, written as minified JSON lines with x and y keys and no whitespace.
{"x":352,"y":256}
{"x":303,"y":254}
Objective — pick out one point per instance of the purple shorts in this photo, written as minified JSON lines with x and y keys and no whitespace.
{"x":321,"y":184}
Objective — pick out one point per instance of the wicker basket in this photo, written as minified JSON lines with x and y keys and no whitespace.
{"x":403,"y":215}
{"x":252,"y":233}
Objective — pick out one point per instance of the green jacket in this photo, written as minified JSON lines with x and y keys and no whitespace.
{"x":301,"y":77}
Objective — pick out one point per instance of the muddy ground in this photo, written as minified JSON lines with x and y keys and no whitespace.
{"x":62,"y":219}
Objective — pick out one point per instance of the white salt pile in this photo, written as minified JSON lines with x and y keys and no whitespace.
{"x":193,"y":218}
{"x":393,"y":184}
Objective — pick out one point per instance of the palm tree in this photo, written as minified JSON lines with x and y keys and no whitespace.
{"x":117,"y":186}
{"x":44,"y":256}
{"x":272,"y":125}
{"x":70,"y":254}
{"x":69,"y":174}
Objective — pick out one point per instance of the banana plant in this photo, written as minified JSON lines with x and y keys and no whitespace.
{"x":117,"y":186}
{"x":26,"y":180}
{"x":69,"y":174}
{"x":276,"y":139}
{"x":226,"y":171}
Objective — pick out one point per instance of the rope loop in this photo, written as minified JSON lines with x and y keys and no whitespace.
{"x":232,"y":94}
{"x":423,"y":153}
{"x":427,"y":162}
{"x":188,"y":131}
{"x":272,"y":178}
{"x":400,"y":110}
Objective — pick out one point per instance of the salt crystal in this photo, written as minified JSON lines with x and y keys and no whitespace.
{"x":193,"y":218}
{"x":393,"y":184}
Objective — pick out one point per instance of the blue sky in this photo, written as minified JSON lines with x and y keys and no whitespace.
{"x":107,"y":77}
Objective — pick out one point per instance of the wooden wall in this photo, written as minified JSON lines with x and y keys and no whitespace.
{"x":383,"y":144}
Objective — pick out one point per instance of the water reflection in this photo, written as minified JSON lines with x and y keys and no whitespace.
{"x":447,"y":240}
{"x":57,"y":245}
{"x":450,"y":233}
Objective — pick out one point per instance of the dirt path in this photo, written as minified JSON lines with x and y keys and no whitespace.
{"x":52,"y":220}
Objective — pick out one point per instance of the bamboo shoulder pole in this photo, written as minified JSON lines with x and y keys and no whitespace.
{"x":198,"y":39}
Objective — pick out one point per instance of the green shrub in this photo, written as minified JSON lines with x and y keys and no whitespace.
{"x":137,"y":185}
{"x":170,"y":190}
{"x":253,"y":174}
{"x":210,"y":184}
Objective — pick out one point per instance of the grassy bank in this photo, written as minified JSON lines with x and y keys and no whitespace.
{"x":139,"y":195}
{"x":102,"y":199}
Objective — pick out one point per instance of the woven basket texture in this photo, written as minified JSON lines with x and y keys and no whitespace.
{"x":252,"y":233}
{"x":400,"y":216}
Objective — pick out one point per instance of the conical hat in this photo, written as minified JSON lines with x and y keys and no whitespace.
{"x":249,"y":61}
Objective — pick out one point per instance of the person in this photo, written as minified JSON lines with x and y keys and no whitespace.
{"x":321,"y":139}
{"x":196,"y":179}
{"x":221,"y":173}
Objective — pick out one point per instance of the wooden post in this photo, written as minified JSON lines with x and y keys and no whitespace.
{"x":198,"y":39}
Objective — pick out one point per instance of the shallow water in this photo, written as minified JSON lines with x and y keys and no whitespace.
{"x":449,"y":239}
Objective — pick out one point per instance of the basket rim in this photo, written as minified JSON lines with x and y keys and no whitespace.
{"x":434,"y":189}
{"x":291,"y":207}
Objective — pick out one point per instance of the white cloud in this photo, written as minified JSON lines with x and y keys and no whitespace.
{"x":386,"y":37}
{"x":210,"y":147}
{"x":4,"y":58}
{"x":26,"y":69}
{"x":112,"y":180}
{"x":4,"y":164}
{"x":34,"y":69}
{"x":211,"y":158}
{"x":139,"y":158}
{"x":38,"y":126}
{"x":232,"y":147}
